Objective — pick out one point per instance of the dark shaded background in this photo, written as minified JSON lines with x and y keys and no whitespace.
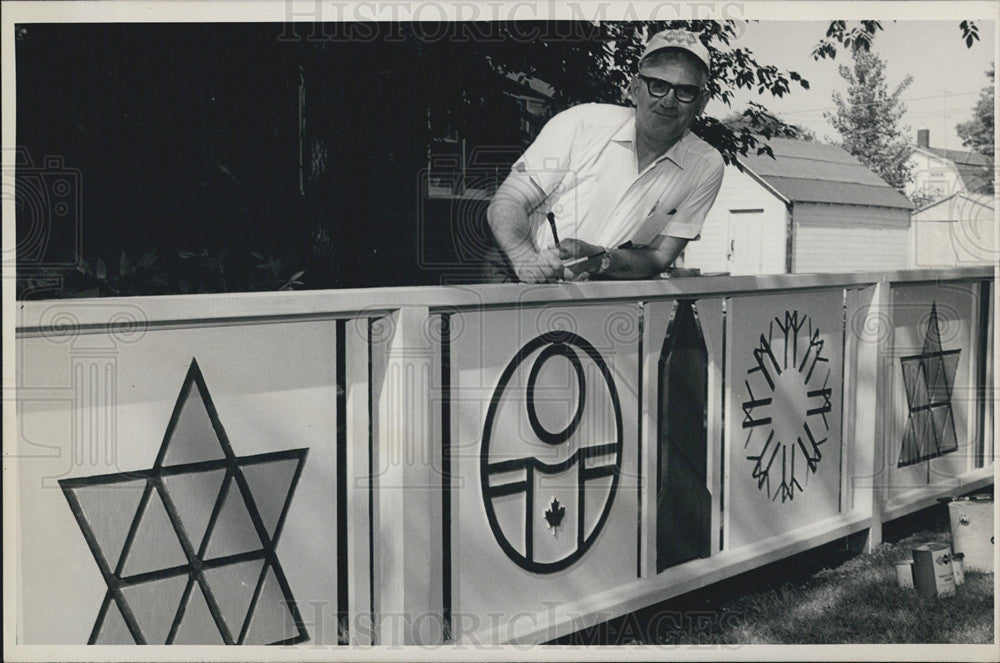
{"x":187,"y":138}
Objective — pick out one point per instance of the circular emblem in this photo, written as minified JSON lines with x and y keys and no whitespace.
{"x":785,"y":412}
{"x":551,"y":452}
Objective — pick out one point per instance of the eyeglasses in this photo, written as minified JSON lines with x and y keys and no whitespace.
{"x":657,"y":87}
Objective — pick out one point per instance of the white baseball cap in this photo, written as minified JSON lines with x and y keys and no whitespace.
{"x":682,"y":39}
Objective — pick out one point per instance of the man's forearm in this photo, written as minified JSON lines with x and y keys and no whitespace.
{"x":634,"y":263}
{"x":644,"y":262}
{"x":508,"y":219}
{"x":509,"y":223}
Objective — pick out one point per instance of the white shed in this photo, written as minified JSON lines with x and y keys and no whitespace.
{"x":956,"y":231}
{"x":812,"y":208}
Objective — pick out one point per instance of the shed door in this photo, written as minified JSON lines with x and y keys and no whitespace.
{"x":745,"y":242}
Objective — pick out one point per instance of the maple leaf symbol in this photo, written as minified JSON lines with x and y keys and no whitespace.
{"x":554,"y":514}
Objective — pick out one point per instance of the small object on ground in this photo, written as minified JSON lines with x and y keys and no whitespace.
{"x":958,"y":568}
{"x":972,"y":532}
{"x":932,"y":572}
{"x":904,"y":574}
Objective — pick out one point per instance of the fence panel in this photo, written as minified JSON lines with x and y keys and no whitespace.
{"x":486,"y":464}
{"x":931,"y":438}
{"x":785,"y":379}
{"x":177,"y":484}
{"x":543,"y":449}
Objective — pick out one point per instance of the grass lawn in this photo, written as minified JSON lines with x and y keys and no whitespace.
{"x":829,"y":595}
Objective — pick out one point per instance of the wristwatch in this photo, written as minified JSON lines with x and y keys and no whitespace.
{"x":605,"y":262}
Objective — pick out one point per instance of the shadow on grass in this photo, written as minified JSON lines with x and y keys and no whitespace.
{"x":830,"y":595}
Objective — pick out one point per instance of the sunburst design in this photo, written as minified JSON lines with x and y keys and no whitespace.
{"x":788,"y":399}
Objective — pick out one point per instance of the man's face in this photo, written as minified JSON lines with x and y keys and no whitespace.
{"x":667,"y":118}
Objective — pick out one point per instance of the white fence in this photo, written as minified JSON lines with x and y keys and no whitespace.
{"x":481,"y":464}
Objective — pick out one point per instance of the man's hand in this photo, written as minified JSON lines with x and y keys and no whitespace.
{"x":571,"y":250}
{"x":541,"y":267}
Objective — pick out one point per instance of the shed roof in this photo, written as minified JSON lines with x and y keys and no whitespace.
{"x":803,"y":171}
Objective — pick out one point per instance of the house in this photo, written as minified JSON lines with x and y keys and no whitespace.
{"x":812,"y":208}
{"x":956,"y":231}
{"x":938,"y":173}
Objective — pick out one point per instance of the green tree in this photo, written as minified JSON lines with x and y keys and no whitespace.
{"x":587,"y":61}
{"x":764,"y":124}
{"x":868,"y":119}
{"x":977,"y":133}
{"x":583,"y":62}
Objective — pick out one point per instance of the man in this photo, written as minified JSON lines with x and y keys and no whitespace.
{"x":622,"y":189}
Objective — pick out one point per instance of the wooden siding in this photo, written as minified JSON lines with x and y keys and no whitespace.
{"x":933,"y":175}
{"x":844,"y":238}
{"x":739,"y":192}
{"x":958,"y":231}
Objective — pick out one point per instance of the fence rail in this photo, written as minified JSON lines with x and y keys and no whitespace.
{"x":472,"y":463}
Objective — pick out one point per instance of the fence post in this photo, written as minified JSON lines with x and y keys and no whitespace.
{"x":407,"y":495}
{"x":869,"y":340}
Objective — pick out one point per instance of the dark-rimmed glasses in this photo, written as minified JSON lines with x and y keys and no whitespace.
{"x":657,"y":87}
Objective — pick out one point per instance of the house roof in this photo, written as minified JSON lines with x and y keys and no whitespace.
{"x":961,"y":157}
{"x":961,"y":200}
{"x":974,"y":168}
{"x":804,"y":171}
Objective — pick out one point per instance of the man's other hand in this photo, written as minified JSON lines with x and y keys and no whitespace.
{"x":541,"y":267}
{"x":580,"y":259}
{"x":572,"y":248}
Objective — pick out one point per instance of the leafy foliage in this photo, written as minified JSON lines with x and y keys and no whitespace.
{"x":868,"y":119}
{"x":977,"y":133}
{"x":162,"y":273}
{"x":970,"y":33}
{"x":592,"y":62}
{"x":856,"y":38}
{"x":582,"y":62}
{"x":759,"y":121}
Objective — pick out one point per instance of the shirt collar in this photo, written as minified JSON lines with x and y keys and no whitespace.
{"x":679,"y":152}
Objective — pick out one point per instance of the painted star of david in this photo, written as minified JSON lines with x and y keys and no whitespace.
{"x":929,"y":378}
{"x":187,"y":548}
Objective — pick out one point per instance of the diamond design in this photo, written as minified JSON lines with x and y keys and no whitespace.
{"x":234,"y":532}
{"x":235,"y":585}
{"x":197,"y":625}
{"x":161,"y":549}
{"x":929,"y":378}
{"x":193,"y":496}
{"x":187,"y":548}
{"x":113,"y":629}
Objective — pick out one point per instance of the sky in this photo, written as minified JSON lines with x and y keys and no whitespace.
{"x":947,"y":76}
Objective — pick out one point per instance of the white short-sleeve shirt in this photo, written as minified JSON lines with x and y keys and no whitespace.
{"x":584,"y":159}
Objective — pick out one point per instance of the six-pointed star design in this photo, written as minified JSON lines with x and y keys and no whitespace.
{"x":929,"y":378}
{"x":187,"y":548}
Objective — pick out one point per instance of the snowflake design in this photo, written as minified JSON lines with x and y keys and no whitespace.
{"x":785,"y":414}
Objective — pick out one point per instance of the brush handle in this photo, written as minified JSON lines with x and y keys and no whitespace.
{"x":552,"y":224}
